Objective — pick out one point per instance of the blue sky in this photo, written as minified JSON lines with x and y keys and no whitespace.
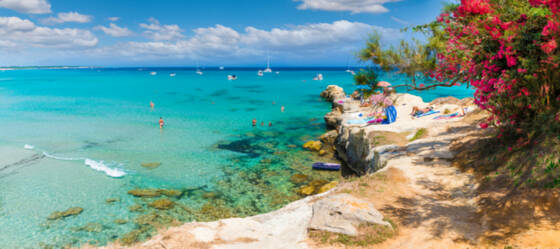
{"x":210,"y":32}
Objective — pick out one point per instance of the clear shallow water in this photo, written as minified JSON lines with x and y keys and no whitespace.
{"x":207,"y":149}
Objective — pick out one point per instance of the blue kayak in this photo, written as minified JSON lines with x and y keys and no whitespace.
{"x":326,"y":166}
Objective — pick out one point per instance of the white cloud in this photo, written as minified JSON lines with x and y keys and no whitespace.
{"x":113,"y":19}
{"x":354,"y":6}
{"x":27,"y":6}
{"x":221,"y":41}
{"x":23,"y":32}
{"x":114,"y":30}
{"x":158,"y":32}
{"x":68,"y":17}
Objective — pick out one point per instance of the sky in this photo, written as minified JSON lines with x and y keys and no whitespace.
{"x":206,"y":33}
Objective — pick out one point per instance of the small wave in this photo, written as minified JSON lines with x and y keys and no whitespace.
{"x":96,"y":165}
{"x":28,"y":147}
{"x":63,"y":158}
{"x":99,"y":166}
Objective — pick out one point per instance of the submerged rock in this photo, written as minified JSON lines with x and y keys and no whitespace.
{"x":151,"y":165}
{"x":136,"y":208}
{"x":111,"y":200}
{"x":120,"y":221}
{"x":171,"y":192}
{"x":145,"y":192}
{"x":306,"y":190}
{"x":327,"y":187}
{"x":130,"y":237}
{"x":342,"y":213}
{"x":162,"y":204}
{"x":313,"y":145}
{"x":69,"y":212}
{"x":92,"y":227}
{"x":299,"y":178}
{"x":155,"y":192}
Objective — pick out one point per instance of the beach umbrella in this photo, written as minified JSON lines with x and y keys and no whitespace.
{"x":383,"y":84}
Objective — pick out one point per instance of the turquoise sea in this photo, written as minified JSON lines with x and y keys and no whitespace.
{"x":77,"y":137}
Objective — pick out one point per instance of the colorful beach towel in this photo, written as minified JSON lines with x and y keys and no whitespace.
{"x":431,"y":112}
{"x":448,"y":116}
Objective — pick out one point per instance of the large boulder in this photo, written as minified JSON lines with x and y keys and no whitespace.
{"x":333,"y":119}
{"x":342,"y":213}
{"x":333,"y":92}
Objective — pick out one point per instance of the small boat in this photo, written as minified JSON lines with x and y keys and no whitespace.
{"x":199,"y":72}
{"x":326,"y":166}
{"x":172,"y":74}
{"x":268,"y":70}
{"x":319,"y":77}
{"x":153,"y":73}
{"x":232,"y":77}
{"x":277,"y":72}
{"x":260,"y":73}
{"x":221,"y":67}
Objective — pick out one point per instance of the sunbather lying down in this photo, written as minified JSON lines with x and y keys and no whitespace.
{"x":417,"y":111}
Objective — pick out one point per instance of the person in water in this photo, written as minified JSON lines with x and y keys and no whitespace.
{"x":269,"y":124}
{"x":262,"y":123}
{"x":161,"y":123}
{"x":254,"y":122}
{"x":152,"y":104}
{"x":282,"y":109}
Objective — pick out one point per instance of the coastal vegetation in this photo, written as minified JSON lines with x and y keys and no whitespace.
{"x":510,"y":56}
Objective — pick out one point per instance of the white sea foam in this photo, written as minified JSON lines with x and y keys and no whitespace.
{"x":96,"y":165}
{"x":28,"y":147}
{"x":99,"y":166}
{"x":62,"y":158}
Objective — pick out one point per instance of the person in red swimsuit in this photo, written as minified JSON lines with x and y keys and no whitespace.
{"x":161,"y":123}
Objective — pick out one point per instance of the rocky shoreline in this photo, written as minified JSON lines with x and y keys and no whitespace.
{"x":362,"y":150}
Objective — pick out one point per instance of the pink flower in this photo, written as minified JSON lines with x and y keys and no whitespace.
{"x":521,"y":70}
{"x":549,"y":47}
{"x":483,"y":125}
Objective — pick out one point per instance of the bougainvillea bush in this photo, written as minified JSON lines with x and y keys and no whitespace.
{"x":506,"y":49}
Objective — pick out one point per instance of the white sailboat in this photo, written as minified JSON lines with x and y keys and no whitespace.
{"x":172,"y":74}
{"x":260,"y":73}
{"x":153,"y":73}
{"x":232,"y":77}
{"x":319,"y":77}
{"x":268,"y":70}
{"x":199,"y":72}
{"x":221,"y":67}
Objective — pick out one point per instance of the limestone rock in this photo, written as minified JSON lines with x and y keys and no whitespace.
{"x":68,"y":212}
{"x":333,"y":119}
{"x":342,"y":213}
{"x":162,"y":204}
{"x":333,"y":92}
{"x":313,"y":145}
{"x":329,"y":137}
{"x":322,"y":152}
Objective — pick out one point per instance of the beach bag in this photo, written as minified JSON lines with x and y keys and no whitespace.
{"x":391,"y":113}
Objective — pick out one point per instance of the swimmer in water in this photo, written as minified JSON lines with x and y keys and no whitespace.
{"x":282,"y":109}
{"x":161,"y":123}
{"x":269,"y":124}
{"x":254,"y":122}
{"x":274,"y":102}
{"x":262,"y":123}
{"x":152,"y":104}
